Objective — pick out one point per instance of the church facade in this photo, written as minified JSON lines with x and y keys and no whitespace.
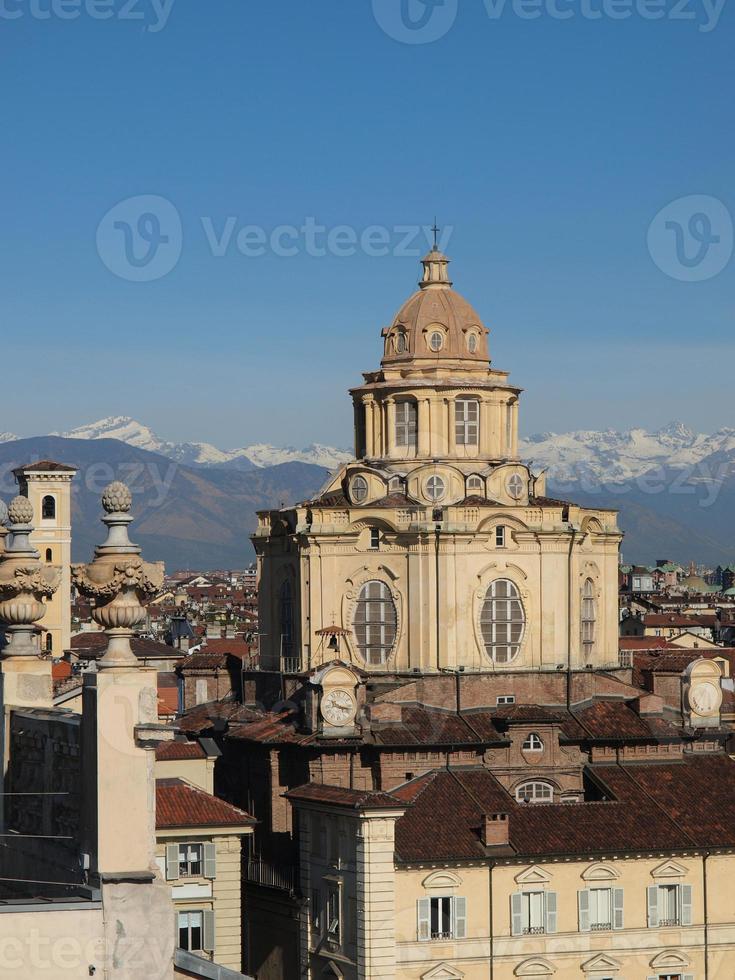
{"x":437,"y":547}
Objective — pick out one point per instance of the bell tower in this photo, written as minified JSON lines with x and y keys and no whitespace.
{"x":48,"y":487}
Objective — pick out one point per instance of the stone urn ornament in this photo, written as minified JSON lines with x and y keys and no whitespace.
{"x":118,"y":580}
{"x":25,"y":582}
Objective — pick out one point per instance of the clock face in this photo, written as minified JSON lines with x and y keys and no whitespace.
{"x":704,"y":698}
{"x":338,"y":708}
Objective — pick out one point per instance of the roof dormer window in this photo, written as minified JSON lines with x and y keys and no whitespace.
{"x":436,"y":341}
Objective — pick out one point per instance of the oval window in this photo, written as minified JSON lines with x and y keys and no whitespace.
{"x":359,"y":489}
{"x":435,"y":488}
{"x":502,"y":621}
{"x":472,"y":343}
{"x":436,"y":341}
{"x":375,"y":622}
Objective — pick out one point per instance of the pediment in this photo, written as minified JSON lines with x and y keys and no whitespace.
{"x":669,"y":869}
{"x":442,"y":879}
{"x":443,"y":972}
{"x":532,"y":876}
{"x":600,"y":872}
{"x":534,"y":967}
{"x":601,"y":963}
{"x":669,"y":958}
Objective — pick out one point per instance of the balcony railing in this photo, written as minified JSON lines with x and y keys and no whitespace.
{"x":290,"y":665}
{"x":601,"y":926}
{"x":534,"y":931}
{"x":261,"y":872}
{"x":668,"y":923}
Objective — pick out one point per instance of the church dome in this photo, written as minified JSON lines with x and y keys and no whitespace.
{"x":436,"y":324}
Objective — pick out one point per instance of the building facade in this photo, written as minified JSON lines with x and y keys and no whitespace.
{"x":48,"y":487}
{"x":436,"y":547}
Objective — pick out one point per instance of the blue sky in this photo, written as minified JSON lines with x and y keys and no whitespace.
{"x":548,"y":145}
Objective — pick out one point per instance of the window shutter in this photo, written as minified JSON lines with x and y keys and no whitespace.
{"x":584,"y":910}
{"x":172,"y":862}
{"x":653,"y":906}
{"x":423,"y":908}
{"x":516,"y":913}
{"x":550,"y":912}
{"x":617,"y":895}
{"x":685,"y":897}
{"x":209,"y":938}
{"x":210,"y":861}
{"x":460,"y":918}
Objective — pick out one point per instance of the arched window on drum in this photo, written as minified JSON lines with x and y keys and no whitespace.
{"x":502,"y":621}
{"x":375,"y":623}
{"x":588,"y":619}
{"x":285,"y":619}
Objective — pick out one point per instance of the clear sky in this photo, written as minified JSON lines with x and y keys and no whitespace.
{"x":548,"y":145}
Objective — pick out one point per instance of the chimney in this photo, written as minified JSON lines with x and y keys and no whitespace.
{"x":649,"y":704}
{"x":494,"y":831}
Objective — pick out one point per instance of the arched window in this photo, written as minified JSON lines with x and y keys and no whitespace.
{"x":400,"y":342}
{"x":472,"y":343}
{"x":589,"y":619}
{"x":475,"y":483}
{"x":502,"y":621}
{"x":533,"y":743}
{"x":375,"y":622}
{"x":467,"y":421}
{"x":49,"y":554}
{"x":535,"y":791}
{"x":285,"y":619}
{"x":48,"y":508}
{"x":359,"y":490}
{"x":406,"y":424}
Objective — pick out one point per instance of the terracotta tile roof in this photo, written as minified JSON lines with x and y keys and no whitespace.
{"x":216,"y":715}
{"x":650,"y":806}
{"x":617,"y":720}
{"x":424,"y":726}
{"x":339,"y":796}
{"x":45,"y":466}
{"x":178,"y":751}
{"x":237,"y":648}
{"x":179,"y":804}
{"x":643,"y":643}
{"x":94,"y":642}
{"x":677,"y":620}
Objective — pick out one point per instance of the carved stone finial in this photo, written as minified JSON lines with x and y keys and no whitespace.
{"x":20,"y":511}
{"x":24,"y":583}
{"x":118,"y":580}
{"x":117,"y":498}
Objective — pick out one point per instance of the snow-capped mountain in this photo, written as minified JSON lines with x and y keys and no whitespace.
{"x":617,"y":457}
{"x":259,"y":455}
{"x":583,"y":456}
{"x":7,"y":437}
